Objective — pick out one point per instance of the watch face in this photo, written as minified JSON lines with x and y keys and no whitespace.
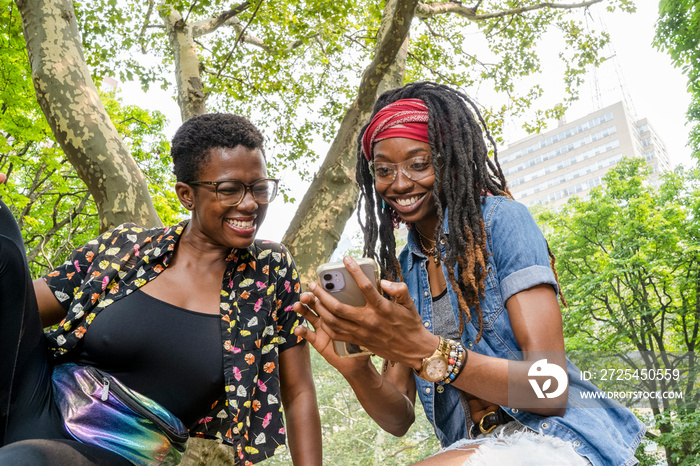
{"x":436,"y":369}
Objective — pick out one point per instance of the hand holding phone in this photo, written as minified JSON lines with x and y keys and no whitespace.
{"x":336,"y":280}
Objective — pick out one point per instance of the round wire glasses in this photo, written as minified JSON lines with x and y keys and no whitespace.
{"x":415,"y":168}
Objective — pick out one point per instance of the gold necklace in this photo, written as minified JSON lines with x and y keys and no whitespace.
{"x":428,"y":251}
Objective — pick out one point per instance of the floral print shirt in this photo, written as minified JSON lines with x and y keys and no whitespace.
{"x":257,"y":292}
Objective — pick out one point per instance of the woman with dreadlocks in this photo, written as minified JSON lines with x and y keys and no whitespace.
{"x":469,"y":317}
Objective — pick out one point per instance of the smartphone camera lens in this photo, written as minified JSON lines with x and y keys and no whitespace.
{"x":328,"y":277}
{"x":329,"y":286}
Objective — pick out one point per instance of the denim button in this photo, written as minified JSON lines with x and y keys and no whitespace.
{"x":426,"y":324}
{"x":576,"y":443}
{"x":427,"y":390}
{"x":514,"y":410}
{"x":545,"y":425}
{"x":470,"y":345}
{"x":425,"y":293}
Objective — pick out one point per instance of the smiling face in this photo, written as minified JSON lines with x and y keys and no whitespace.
{"x":413,"y":200}
{"x":228,"y":226}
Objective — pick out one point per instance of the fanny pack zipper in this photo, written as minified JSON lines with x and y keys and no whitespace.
{"x":135,"y":406}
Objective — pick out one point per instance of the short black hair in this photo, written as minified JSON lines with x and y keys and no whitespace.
{"x":197,"y":136}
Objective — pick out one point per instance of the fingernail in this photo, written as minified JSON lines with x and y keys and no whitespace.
{"x":312,"y":286}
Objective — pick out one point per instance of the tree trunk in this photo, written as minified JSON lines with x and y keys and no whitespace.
{"x":320,"y":219}
{"x":190,"y":96}
{"x":69,"y":99}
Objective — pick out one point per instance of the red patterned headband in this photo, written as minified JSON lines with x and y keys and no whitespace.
{"x":405,"y":118}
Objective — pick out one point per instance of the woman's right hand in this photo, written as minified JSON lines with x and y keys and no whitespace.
{"x":389,"y":327}
{"x":387,"y":400}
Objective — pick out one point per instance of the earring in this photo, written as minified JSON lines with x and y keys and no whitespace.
{"x":383,"y":204}
{"x":189,"y":205}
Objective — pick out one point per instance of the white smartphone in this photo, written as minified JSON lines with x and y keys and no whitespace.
{"x":335,"y":279}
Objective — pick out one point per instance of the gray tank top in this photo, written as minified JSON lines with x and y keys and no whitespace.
{"x":444,"y":323}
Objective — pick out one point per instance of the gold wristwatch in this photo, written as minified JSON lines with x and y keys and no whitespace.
{"x":434,"y":367}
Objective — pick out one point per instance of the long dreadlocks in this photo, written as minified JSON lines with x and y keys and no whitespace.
{"x":464,"y":175}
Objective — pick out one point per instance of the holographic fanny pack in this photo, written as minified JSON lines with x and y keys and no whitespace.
{"x":99,"y":410}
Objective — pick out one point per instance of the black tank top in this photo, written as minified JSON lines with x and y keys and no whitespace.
{"x":172,"y":355}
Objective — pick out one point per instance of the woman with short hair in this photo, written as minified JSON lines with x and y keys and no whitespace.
{"x":196,"y":317}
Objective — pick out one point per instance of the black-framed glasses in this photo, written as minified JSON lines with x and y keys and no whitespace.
{"x":415,"y":168}
{"x":231,"y":192}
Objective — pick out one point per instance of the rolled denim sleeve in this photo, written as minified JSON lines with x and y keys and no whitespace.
{"x":519,"y":250}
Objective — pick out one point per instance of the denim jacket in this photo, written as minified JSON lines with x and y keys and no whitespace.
{"x":602,"y":430}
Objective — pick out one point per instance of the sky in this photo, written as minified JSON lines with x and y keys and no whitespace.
{"x":635,"y":73}
{"x":641,"y":76}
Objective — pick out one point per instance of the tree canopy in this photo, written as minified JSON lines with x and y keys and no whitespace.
{"x":629,"y":263}
{"x":54,"y":208}
{"x":678,"y":33}
{"x":301,"y":70}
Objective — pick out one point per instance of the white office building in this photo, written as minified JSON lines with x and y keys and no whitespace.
{"x":550,"y":167}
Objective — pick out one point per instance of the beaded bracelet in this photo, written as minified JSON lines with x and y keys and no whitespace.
{"x":456,"y":360}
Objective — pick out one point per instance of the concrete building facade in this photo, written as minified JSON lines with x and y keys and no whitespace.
{"x":550,"y":167}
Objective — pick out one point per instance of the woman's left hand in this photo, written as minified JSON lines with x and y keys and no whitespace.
{"x":390,"y":328}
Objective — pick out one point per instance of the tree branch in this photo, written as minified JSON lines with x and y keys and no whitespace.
{"x":428,"y":10}
{"x":58,"y":224}
{"x":447,"y":79}
{"x":228,"y":18}
{"x":145,"y":26}
{"x":396,"y":34}
{"x":192,"y":5}
{"x":207,"y":26}
{"x":238,"y":39}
